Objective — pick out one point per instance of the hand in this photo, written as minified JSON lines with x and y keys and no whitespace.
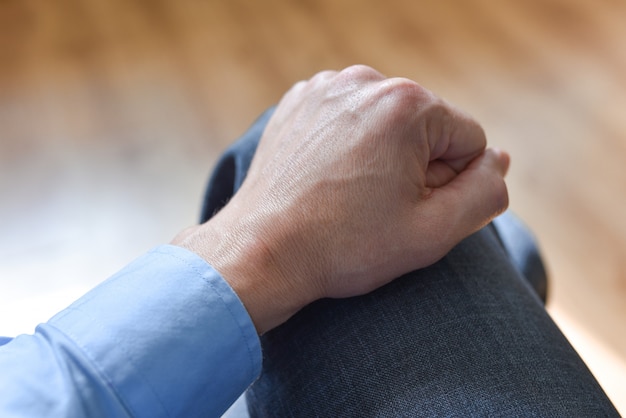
{"x":357,"y":180}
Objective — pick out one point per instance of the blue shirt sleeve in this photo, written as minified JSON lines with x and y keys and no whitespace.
{"x":164,"y":337}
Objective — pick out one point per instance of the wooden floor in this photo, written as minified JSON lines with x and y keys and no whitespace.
{"x":112,"y":112}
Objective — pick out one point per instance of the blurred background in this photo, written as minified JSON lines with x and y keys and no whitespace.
{"x":113,"y":112}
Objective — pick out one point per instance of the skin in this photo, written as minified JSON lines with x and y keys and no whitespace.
{"x":357,"y":180}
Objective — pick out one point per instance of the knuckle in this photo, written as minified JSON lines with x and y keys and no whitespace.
{"x":298,"y":86}
{"x":405,"y":92}
{"x":318,"y":80}
{"x":361,"y":73}
{"x":323,"y":76}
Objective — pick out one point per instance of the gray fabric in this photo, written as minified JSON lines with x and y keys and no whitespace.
{"x":468,"y":336}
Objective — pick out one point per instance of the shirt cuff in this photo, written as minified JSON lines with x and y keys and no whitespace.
{"x":167,"y":335}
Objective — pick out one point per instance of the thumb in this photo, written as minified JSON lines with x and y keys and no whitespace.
{"x":476,"y":196}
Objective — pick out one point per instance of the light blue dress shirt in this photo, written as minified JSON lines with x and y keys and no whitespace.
{"x":164,"y":337}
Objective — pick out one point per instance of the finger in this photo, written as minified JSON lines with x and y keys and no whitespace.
{"x":438,"y":174}
{"x":473,"y":198}
{"x":454,"y":136}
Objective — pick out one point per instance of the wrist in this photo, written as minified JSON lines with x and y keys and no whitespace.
{"x":250,"y":261}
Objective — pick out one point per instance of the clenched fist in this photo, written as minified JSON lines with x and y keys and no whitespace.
{"x":358,"y":179}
